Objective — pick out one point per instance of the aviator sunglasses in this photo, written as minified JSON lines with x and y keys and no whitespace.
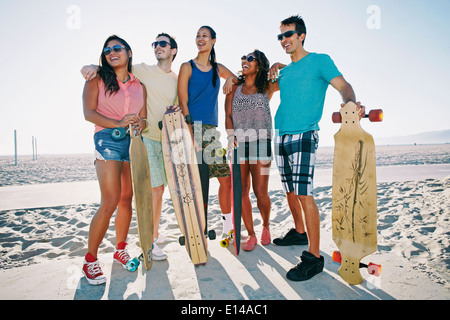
{"x":161,"y":43}
{"x":287,"y":34}
{"x":117,"y":48}
{"x":248,"y":58}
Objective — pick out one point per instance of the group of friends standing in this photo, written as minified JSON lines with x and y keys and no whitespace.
{"x":119,"y":93}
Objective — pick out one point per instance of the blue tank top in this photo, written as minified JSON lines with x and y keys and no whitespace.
{"x":202,"y":96}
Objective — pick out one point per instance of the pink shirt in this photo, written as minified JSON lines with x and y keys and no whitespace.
{"x":128,"y":100}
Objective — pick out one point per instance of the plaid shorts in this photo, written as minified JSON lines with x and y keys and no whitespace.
{"x":295,"y":158}
{"x":155,"y":162}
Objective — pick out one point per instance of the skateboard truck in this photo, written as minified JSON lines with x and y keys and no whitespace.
{"x":375,"y":115}
{"x":372,"y":268}
{"x":211,"y":234}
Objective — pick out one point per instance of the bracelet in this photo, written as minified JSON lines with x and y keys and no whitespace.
{"x":189,"y":119}
{"x":148,"y":125}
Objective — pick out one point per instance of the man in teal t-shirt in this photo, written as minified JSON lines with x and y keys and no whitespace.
{"x":303,"y":85}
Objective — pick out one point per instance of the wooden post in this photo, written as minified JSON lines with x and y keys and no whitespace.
{"x":15,"y":147}
{"x":32,"y":146}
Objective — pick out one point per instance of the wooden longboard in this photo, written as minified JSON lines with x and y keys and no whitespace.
{"x":354,"y":194}
{"x":236,"y":187}
{"x":185,"y":189}
{"x":142,"y":191}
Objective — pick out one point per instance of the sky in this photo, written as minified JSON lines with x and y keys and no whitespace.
{"x":394,"y":53}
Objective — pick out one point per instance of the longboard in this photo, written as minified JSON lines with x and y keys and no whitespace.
{"x":354,"y":192}
{"x":142,"y":192}
{"x":203,"y":169}
{"x":236,"y":203}
{"x":184,"y":184}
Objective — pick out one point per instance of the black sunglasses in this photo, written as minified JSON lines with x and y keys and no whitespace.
{"x":117,"y":48}
{"x":161,"y":43}
{"x":287,"y":34}
{"x":248,"y":58}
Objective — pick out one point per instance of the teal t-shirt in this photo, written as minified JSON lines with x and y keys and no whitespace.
{"x":303,"y":85}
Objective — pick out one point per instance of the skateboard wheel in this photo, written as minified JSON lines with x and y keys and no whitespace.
{"x":221,"y":152}
{"x":182,"y":240}
{"x":160,"y":125}
{"x":336,"y":117}
{"x":224,"y":243}
{"x":132,"y":264}
{"x":118,"y":134}
{"x":374,"y":269}
{"x":211,"y":234}
{"x":336,"y":256}
{"x":376,"y":115}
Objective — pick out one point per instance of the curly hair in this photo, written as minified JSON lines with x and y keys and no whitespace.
{"x":261,"y":82}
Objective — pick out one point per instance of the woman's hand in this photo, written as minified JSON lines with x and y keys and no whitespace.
{"x":232,"y":142}
{"x":272,"y":75}
{"x":128,"y":119}
{"x":228,"y":86}
{"x":89,"y":72}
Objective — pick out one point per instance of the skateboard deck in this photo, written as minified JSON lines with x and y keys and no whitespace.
{"x":236,"y":203}
{"x":354,"y":193}
{"x":142,"y":192}
{"x":184,"y":184}
{"x":204,"y":181}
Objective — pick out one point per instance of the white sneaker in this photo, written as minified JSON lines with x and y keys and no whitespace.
{"x":227,"y":224}
{"x":161,"y":239}
{"x":158,"y":254}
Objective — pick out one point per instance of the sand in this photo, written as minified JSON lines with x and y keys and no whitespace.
{"x":44,"y":228}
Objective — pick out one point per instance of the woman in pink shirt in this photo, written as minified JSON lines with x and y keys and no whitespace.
{"x":115,"y":98}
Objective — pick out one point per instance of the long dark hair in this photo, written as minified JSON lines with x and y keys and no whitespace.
{"x":106,"y":72}
{"x":261,"y":82}
{"x":212,"y":56}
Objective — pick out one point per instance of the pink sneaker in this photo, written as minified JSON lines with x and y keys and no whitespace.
{"x":250,"y":244}
{"x":121,"y":255}
{"x":265,"y":237}
{"x":92,"y":271}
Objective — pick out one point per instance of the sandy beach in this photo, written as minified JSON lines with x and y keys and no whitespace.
{"x":44,"y":229}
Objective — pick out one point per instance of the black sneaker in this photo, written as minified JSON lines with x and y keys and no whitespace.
{"x":292,"y":238}
{"x":307,"y":268}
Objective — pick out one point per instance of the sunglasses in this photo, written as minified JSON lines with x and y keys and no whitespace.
{"x":287,"y":34}
{"x":161,"y":43}
{"x":117,"y":48}
{"x":248,"y":58}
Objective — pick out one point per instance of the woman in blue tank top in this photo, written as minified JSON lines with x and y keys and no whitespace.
{"x":198,"y":89}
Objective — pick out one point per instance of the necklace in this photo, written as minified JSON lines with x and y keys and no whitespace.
{"x":126,"y":80}
{"x":248,"y":91}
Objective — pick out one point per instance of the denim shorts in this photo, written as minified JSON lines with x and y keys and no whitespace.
{"x":108,"y":149}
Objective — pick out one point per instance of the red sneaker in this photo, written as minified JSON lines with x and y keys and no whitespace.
{"x":121,"y":255}
{"x":92,"y":271}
